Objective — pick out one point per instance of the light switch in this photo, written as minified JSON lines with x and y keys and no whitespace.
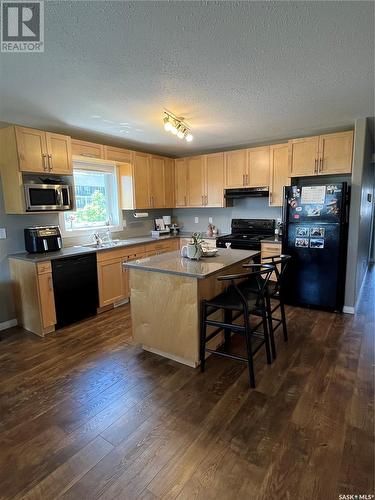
{"x":210,"y":220}
{"x":196,"y":220}
{"x":3,"y":233}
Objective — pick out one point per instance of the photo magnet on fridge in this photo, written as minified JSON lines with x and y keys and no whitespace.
{"x":317,"y":232}
{"x":302,"y":232}
{"x":302,"y":242}
{"x":316,"y":243}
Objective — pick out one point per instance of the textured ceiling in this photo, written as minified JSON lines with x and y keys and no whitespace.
{"x":239,"y":72}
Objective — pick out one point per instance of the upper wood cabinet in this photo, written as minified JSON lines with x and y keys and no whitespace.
{"x":156,"y":182}
{"x":258,"y":167}
{"x":321,"y":155}
{"x":40,"y":151}
{"x":196,"y":181}
{"x":279,"y":173}
{"x":200,"y":181}
{"x":140,"y":176}
{"x":87,"y":149}
{"x":335,"y":153}
{"x":214,"y":180}
{"x":235,"y":168}
{"x":303,"y":156}
{"x":169,"y":182}
{"x":117,"y":154}
{"x":181,"y":182}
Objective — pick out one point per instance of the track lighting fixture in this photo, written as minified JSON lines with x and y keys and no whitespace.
{"x":176,"y":126}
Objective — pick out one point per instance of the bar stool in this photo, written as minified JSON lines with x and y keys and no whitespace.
{"x":275,"y":292}
{"x":235,"y":302}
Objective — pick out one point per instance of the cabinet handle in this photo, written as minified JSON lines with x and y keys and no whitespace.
{"x":206,"y":200}
{"x":270,"y":198}
{"x":320,"y":165}
{"x":50,"y":163}
{"x":45,"y":166}
{"x":202,"y":199}
{"x":243,"y":179}
{"x":185,"y":200}
{"x":316,"y":166}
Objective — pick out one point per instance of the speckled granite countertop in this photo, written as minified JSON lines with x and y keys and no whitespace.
{"x":173,"y":263}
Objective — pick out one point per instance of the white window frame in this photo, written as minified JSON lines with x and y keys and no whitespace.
{"x":99,"y":166}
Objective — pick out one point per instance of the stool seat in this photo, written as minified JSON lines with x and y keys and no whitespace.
{"x":230,"y":299}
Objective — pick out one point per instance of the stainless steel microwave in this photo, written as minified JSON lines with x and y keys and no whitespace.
{"x":40,"y":197}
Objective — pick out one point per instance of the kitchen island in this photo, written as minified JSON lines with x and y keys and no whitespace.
{"x":166,"y":292}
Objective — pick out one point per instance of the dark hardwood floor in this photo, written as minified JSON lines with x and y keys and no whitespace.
{"x":86,"y":414}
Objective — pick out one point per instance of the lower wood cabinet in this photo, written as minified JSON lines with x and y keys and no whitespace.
{"x":269,"y":250}
{"x":34,"y":295}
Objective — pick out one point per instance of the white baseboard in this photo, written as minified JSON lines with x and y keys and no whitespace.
{"x":348,"y":309}
{"x":8,"y":324}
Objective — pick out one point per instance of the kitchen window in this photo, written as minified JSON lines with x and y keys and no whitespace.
{"x":96,"y":200}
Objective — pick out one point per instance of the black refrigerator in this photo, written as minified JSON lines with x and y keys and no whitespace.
{"x":315,"y":235}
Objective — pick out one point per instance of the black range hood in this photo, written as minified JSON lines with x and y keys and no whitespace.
{"x":250,"y":192}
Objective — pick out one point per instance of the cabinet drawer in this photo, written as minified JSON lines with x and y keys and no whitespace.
{"x":117,"y":154}
{"x":120,"y":253}
{"x":44,"y":267}
{"x":89,"y":149}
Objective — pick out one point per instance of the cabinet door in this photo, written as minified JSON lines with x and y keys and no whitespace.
{"x":235,"y":168}
{"x":195,"y":190}
{"x":303,"y":156}
{"x":181,"y":182}
{"x":47,"y":300}
{"x":59,"y":151}
{"x":279,"y":173}
{"x":32,"y":150}
{"x":117,"y":154}
{"x":169,"y":182}
{"x":111,"y":281}
{"x":156,"y":182}
{"x":258,"y":167}
{"x":214,"y":180}
{"x":335,"y":153}
{"x":141,"y":187}
{"x":89,"y":149}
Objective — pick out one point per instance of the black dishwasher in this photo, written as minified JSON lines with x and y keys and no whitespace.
{"x":75,"y":285}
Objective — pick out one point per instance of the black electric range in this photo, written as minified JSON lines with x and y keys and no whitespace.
{"x":247,"y":233}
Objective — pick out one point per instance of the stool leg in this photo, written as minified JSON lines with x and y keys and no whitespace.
{"x":250,"y":361}
{"x":283,"y":319}
{"x":203,"y":328}
{"x":270,"y":327}
{"x":266,"y":337}
{"x":227,"y":331}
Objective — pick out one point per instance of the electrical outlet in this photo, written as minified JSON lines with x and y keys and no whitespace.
{"x":196,"y":220}
{"x":3,"y":233}
{"x":210,"y":220}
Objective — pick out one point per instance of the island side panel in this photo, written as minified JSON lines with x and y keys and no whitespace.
{"x":164,"y":310}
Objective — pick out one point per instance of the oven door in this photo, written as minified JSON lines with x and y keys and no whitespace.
{"x":41,"y":197}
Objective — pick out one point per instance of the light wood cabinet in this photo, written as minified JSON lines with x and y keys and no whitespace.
{"x":113,"y":280}
{"x":156,"y":182}
{"x":181,"y":180}
{"x":141,"y":184}
{"x":169,"y":182}
{"x":34,"y":295}
{"x":279,"y":173}
{"x":59,"y":154}
{"x":47,"y":300}
{"x":87,"y":149}
{"x":335,"y":153}
{"x":117,"y":154}
{"x":214,"y":180}
{"x":258,"y":167}
{"x":196,"y":181}
{"x":321,"y":155}
{"x":40,"y":151}
{"x":200,"y":181}
{"x":235,"y":168}
{"x":270,"y":250}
